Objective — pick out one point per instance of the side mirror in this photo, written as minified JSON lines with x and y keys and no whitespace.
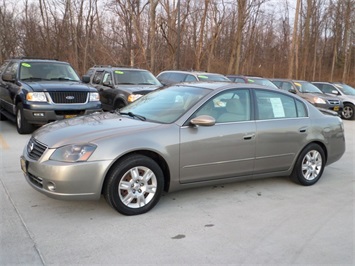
{"x":335,"y":92}
{"x":8,"y":77}
{"x":292,"y":90}
{"x":86,"y":79}
{"x":203,"y":120}
{"x":107,"y":83}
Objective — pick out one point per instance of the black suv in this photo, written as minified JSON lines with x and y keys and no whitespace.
{"x":34,"y":92}
{"x":119,"y":86}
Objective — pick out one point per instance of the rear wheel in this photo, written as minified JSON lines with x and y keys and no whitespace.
{"x":134,"y":186}
{"x":348,"y":111}
{"x":309,"y":165}
{"x":23,"y":127}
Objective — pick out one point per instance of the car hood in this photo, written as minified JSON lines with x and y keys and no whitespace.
{"x":324,"y":96}
{"x":138,"y":89}
{"x":55,"y":85}
{"x":90,"y":128}
{"x":347,"y":98}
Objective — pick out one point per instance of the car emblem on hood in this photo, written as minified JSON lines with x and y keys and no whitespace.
{"x":69,"y":97}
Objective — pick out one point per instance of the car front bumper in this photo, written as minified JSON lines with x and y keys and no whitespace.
{"x":43,"y":113}
{"x":335,"y":108}
{"x":60,"y":180}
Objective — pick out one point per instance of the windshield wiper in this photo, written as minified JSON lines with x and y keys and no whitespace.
{"x":32,"y":79}
{"x":64,"y":79}
{"x":140,"y":117}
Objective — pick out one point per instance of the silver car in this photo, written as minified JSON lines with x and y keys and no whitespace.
{"x":343,"y":92}
{"x":182,"y":136}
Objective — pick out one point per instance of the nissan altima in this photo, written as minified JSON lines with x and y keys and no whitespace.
{"x":182,"y":136}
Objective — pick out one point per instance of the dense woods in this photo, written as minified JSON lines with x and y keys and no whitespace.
{"x":301,"y":39}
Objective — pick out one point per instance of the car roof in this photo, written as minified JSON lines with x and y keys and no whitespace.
{"x":126,"y":68}
{"x":33,"y":59}
{"x":216,"y":85}
{"x":190,"y":72}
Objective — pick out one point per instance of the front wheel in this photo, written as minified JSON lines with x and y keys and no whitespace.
{"x":134,"y":186}
{"x":348,"y":112}
{"x":23,"y":127}
{"x":309,"y":165}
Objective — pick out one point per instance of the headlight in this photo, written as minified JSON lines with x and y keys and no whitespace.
{"x":73,"y":153}
{"x":319,"y":100}
{"x":36,"y":97}
{"x":94,"y":97}
{"x":133,"y":97}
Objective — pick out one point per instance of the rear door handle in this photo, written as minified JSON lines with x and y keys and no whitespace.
{"x":303,"y":129}
{"x":250,"y":136}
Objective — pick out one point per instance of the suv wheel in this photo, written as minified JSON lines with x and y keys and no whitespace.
{"x":23,"y":127}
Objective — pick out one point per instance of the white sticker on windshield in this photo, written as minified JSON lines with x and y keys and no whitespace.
{"x":277,"y":107}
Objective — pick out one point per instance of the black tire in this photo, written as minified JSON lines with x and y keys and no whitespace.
{"x":348,"y":112}
{"x":309,"y":166}
{"x":23,"y":127}
{"x":145,"y":188}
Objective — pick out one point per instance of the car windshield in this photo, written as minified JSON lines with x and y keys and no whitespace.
{"x":47,"y":71}
{"x":307,"y":87}
{"x":135,"y":77}
{"x":165,"y":105}
{"x":264,"y":82}
{"x":212,"y":77}
{"x":346,"y":89}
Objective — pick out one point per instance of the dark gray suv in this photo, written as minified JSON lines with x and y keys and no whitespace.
{"x":34,"y":92}
{"x":119,"y":86}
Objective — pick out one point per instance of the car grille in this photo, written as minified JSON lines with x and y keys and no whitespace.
{"x":68,"y":96}
{"x":334,"y":102}
{"x":37,"y":181}
{"x":35,"y":149}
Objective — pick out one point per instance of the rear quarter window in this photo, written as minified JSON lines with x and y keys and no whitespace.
{"x":273,"y":105}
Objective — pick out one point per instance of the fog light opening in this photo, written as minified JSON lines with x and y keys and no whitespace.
{"x":51,"y":186}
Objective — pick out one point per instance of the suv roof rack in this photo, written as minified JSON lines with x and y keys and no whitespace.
{"x":36,"y":58}
{"x":109,"y":66}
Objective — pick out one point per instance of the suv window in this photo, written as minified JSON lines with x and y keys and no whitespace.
{"x":177,"y":77}
{"x":12,"y":69}
{"x":190,"y":78}
{"x":327,"y":88}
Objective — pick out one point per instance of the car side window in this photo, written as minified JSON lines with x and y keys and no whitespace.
{"x":177,"y":77}
{"x":327,"y":88}
{"x":12,"y":69}
{"x":3,"y":66}
{"x":107,"y":79}
{"x":97,"y":78}
{"x":229,"y":106}
{"x":190,"y":78}
{"x":286,"y":86}
{"x":239,"y":80}
{"x":274,"y":105}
